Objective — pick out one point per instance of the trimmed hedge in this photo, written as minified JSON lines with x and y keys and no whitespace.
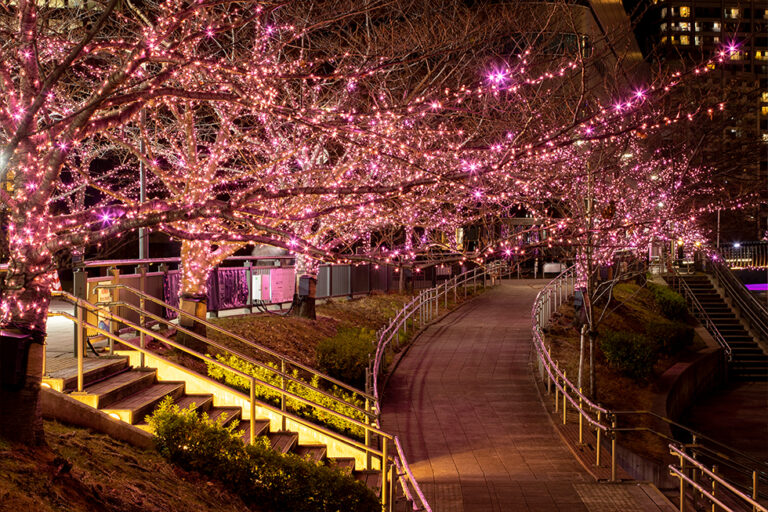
{"x":258,"y":474}
{"x":630,"y":353}
{"x":305,"y":391}
{"x":671,"y":303}
{"x":346,"y":355}
{"x":670,"y":336}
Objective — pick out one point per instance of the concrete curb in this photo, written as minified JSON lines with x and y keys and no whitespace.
{"x":65,"y":409}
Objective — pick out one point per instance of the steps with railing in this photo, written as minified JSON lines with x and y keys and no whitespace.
{"x":746,"y":360}
{"x":163,"y":377}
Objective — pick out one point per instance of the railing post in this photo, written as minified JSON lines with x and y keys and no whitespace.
{"x":384,"y":494}
{"x":282,"y":396}
{"x":714,"y":487}
{"x":598,"y":433}
{"x":455,"y":286}
{"x":581,"y":418}
{"x":549,"y":381}
{"x":565,"y":409}
{"x":437,"y":301}
{"x":754,"y":489}
{"x":80,"y":348}
{"x":80,"y":290}
{"x":613,"y":448}
{"x":446,"y":294}
{"x":252,"y":433}
{"x":367,"y":433}
{"x":682,"y":484}
{"x":557,"y":390}
{"x":142,"y":270}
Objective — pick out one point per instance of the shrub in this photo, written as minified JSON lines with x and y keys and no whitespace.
{"x":671,"y":337}
{"x":261,"y":476}
{"x":308,"y":390}
{"x":630,"y":353}
{"x":345,"y":356}
{"x":671,"y":303}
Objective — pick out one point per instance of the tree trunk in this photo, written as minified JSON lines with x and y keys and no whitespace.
{"x":24,"y":309}
{"x":306,"y":287}
{"x":581,"y":355}
{"x":401,"y":283}
{"x":193,"y":298}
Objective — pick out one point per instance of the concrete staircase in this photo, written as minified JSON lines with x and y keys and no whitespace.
{"x":749,"y":362}
{"x":130,"y":394}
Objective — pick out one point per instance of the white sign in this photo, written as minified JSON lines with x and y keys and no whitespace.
{"x":256,"y":287}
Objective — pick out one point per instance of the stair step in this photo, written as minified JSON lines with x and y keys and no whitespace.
{"x":261,"y":429}
{"x":313,"y":452}
{"x":202,"y":403}
{"x":283,"y":442}
{"x":132,"y":409}
{"x":117,"y":387}
{"x":94,"y":369}
{"x":372,"y":479}
{"x":224,"y":415}
{"x":344,"y":464}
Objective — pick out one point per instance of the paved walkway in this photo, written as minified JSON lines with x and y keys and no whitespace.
{"x":474,"y":430}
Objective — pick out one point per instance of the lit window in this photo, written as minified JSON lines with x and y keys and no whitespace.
{"x":664,"y":39}
{"x":697,"y":40}
{"x":711,"y":65}
{"x":685,"y":11}
{"x":697,"y":26}
{"x":663,"y":27}
{"x":685,"y":40}
{"x":685,"y":26}
{"x":663,"y":12}
{"x":761,"y":55}
{"x":716,"y":26}
{"x":736,"y":56}
{"x":732,"y":13}
{"x":764,"y":110}
{"x":673,"y":26}
{"x":765,"y":97}
{"x":716,"y":39}
{"x":673,"y":39}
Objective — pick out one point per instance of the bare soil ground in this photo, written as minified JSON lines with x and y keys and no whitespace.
{"x":84,"y":472}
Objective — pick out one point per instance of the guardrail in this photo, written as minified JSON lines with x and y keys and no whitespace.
{"x":604,"y":421}
{"x":746,"y":255}
{"x":372,"y":430}
{"x":700,"y":313}
{"x":749,"y":307}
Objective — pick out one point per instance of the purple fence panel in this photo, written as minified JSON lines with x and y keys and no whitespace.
{"x":171,"y":287}
{"x":231,"y":289}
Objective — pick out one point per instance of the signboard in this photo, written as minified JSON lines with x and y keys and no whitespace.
{"x":283,"y":282}
{"x":443,"y":270}
{"x":256,"y":287}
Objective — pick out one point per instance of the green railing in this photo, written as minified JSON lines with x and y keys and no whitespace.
{"x":606,"y":422}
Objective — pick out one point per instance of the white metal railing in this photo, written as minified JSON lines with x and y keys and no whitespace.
{"x":422,"y":309}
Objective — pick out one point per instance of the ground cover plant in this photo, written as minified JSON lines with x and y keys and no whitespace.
{"x":256,"y":473}
{"x":637,"y":343}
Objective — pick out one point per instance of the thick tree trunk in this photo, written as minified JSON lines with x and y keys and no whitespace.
{"x":193,"y":299}
{"x":24,"y":310}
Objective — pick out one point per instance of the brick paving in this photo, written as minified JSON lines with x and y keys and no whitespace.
{"x":477,"y":436}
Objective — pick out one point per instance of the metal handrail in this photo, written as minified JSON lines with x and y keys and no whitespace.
{"x":540,"y":314}
{"x":284,"y":359}
{"x":701,"y":314}
{"x":709,"y":493}
{"x":746,"y":302}
{"x":280,"y":373}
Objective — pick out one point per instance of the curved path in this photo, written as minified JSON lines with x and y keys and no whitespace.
{"x":464,"y":403}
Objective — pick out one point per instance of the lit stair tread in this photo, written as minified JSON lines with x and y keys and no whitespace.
{"x":244,"y":429}
{"x":116,"y":387}
{"x":133,"y":408}
{"x":313,"y":452}
{"x":344,"y":464}
{"x":283,"y":442}
{"x":225,"y":415}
